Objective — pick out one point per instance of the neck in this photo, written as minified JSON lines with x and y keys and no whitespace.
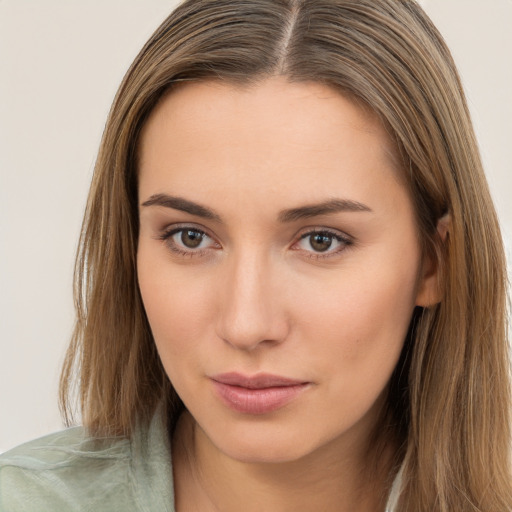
{"x":330,"y":479}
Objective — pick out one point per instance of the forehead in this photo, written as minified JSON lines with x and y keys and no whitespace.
{"x":274,"y":104}
{"x":276,"y":137}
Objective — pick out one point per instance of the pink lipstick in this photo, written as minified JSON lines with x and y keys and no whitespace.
{"x":257,"y":394}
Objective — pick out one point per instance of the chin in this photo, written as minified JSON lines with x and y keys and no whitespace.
{"x":263,"y":446}
{"x":263,"y":453}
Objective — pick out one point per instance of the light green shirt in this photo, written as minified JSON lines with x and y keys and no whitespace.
{"x":67,"y":471}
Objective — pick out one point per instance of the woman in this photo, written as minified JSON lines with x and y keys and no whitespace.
{"x":291,"y":278}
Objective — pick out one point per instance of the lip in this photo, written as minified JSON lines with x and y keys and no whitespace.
{"x":257,"y":394}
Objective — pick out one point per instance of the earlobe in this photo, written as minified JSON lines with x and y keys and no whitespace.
{"x":430,"y":287}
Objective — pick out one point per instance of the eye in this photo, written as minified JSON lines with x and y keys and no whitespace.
{"x":323,"y":243}
{"x":190,"y":238}
{"x":188,"y":241}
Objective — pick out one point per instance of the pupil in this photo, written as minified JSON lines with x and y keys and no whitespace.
{"x":191,"y":239}
{"x":321,"y":242}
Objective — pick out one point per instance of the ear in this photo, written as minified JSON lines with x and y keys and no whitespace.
{"x":429,"y":286}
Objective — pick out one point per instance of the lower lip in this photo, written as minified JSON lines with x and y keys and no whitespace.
{"x":257,"y":401}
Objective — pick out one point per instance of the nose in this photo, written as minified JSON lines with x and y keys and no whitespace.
{"x":251,"y":309}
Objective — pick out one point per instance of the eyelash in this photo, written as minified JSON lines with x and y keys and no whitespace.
{"x":167,"y":235}
{"x":345,"y":240}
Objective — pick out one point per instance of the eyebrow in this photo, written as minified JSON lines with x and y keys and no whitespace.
{"x":330,"y":206}
{"x":184,"y":205}
{"x":325,"y":208}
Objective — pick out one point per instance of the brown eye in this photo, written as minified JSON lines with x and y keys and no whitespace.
{"x":321,"y":242}
{"x":188,"y":241}
{"x":191,"y":238}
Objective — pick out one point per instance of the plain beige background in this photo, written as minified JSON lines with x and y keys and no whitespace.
{"x":60,"y":64}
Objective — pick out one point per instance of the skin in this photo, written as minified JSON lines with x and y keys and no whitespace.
{"x":256,"y":296}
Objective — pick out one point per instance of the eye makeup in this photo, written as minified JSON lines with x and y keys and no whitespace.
{"x":316,"y":243}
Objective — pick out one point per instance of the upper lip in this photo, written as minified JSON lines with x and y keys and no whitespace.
{"x":258,"y":381}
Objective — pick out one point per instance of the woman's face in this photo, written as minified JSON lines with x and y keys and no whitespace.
{"x":278,"y":263}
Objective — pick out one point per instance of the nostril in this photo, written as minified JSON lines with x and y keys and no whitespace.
{"x":246,"y":329}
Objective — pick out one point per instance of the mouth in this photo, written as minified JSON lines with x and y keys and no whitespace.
{"x":258,"y":394}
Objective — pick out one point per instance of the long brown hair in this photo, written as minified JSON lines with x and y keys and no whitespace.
{"x":449,"y":399}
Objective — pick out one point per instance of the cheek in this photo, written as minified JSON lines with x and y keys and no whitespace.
{"x":358,"y":324}
{"x":177,"y":307}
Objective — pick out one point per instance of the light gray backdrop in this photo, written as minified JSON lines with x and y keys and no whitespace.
{"x":60,"y":64}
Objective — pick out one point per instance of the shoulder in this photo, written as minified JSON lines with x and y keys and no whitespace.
{"x":58,"y":471}
{"x":70,"y":471}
